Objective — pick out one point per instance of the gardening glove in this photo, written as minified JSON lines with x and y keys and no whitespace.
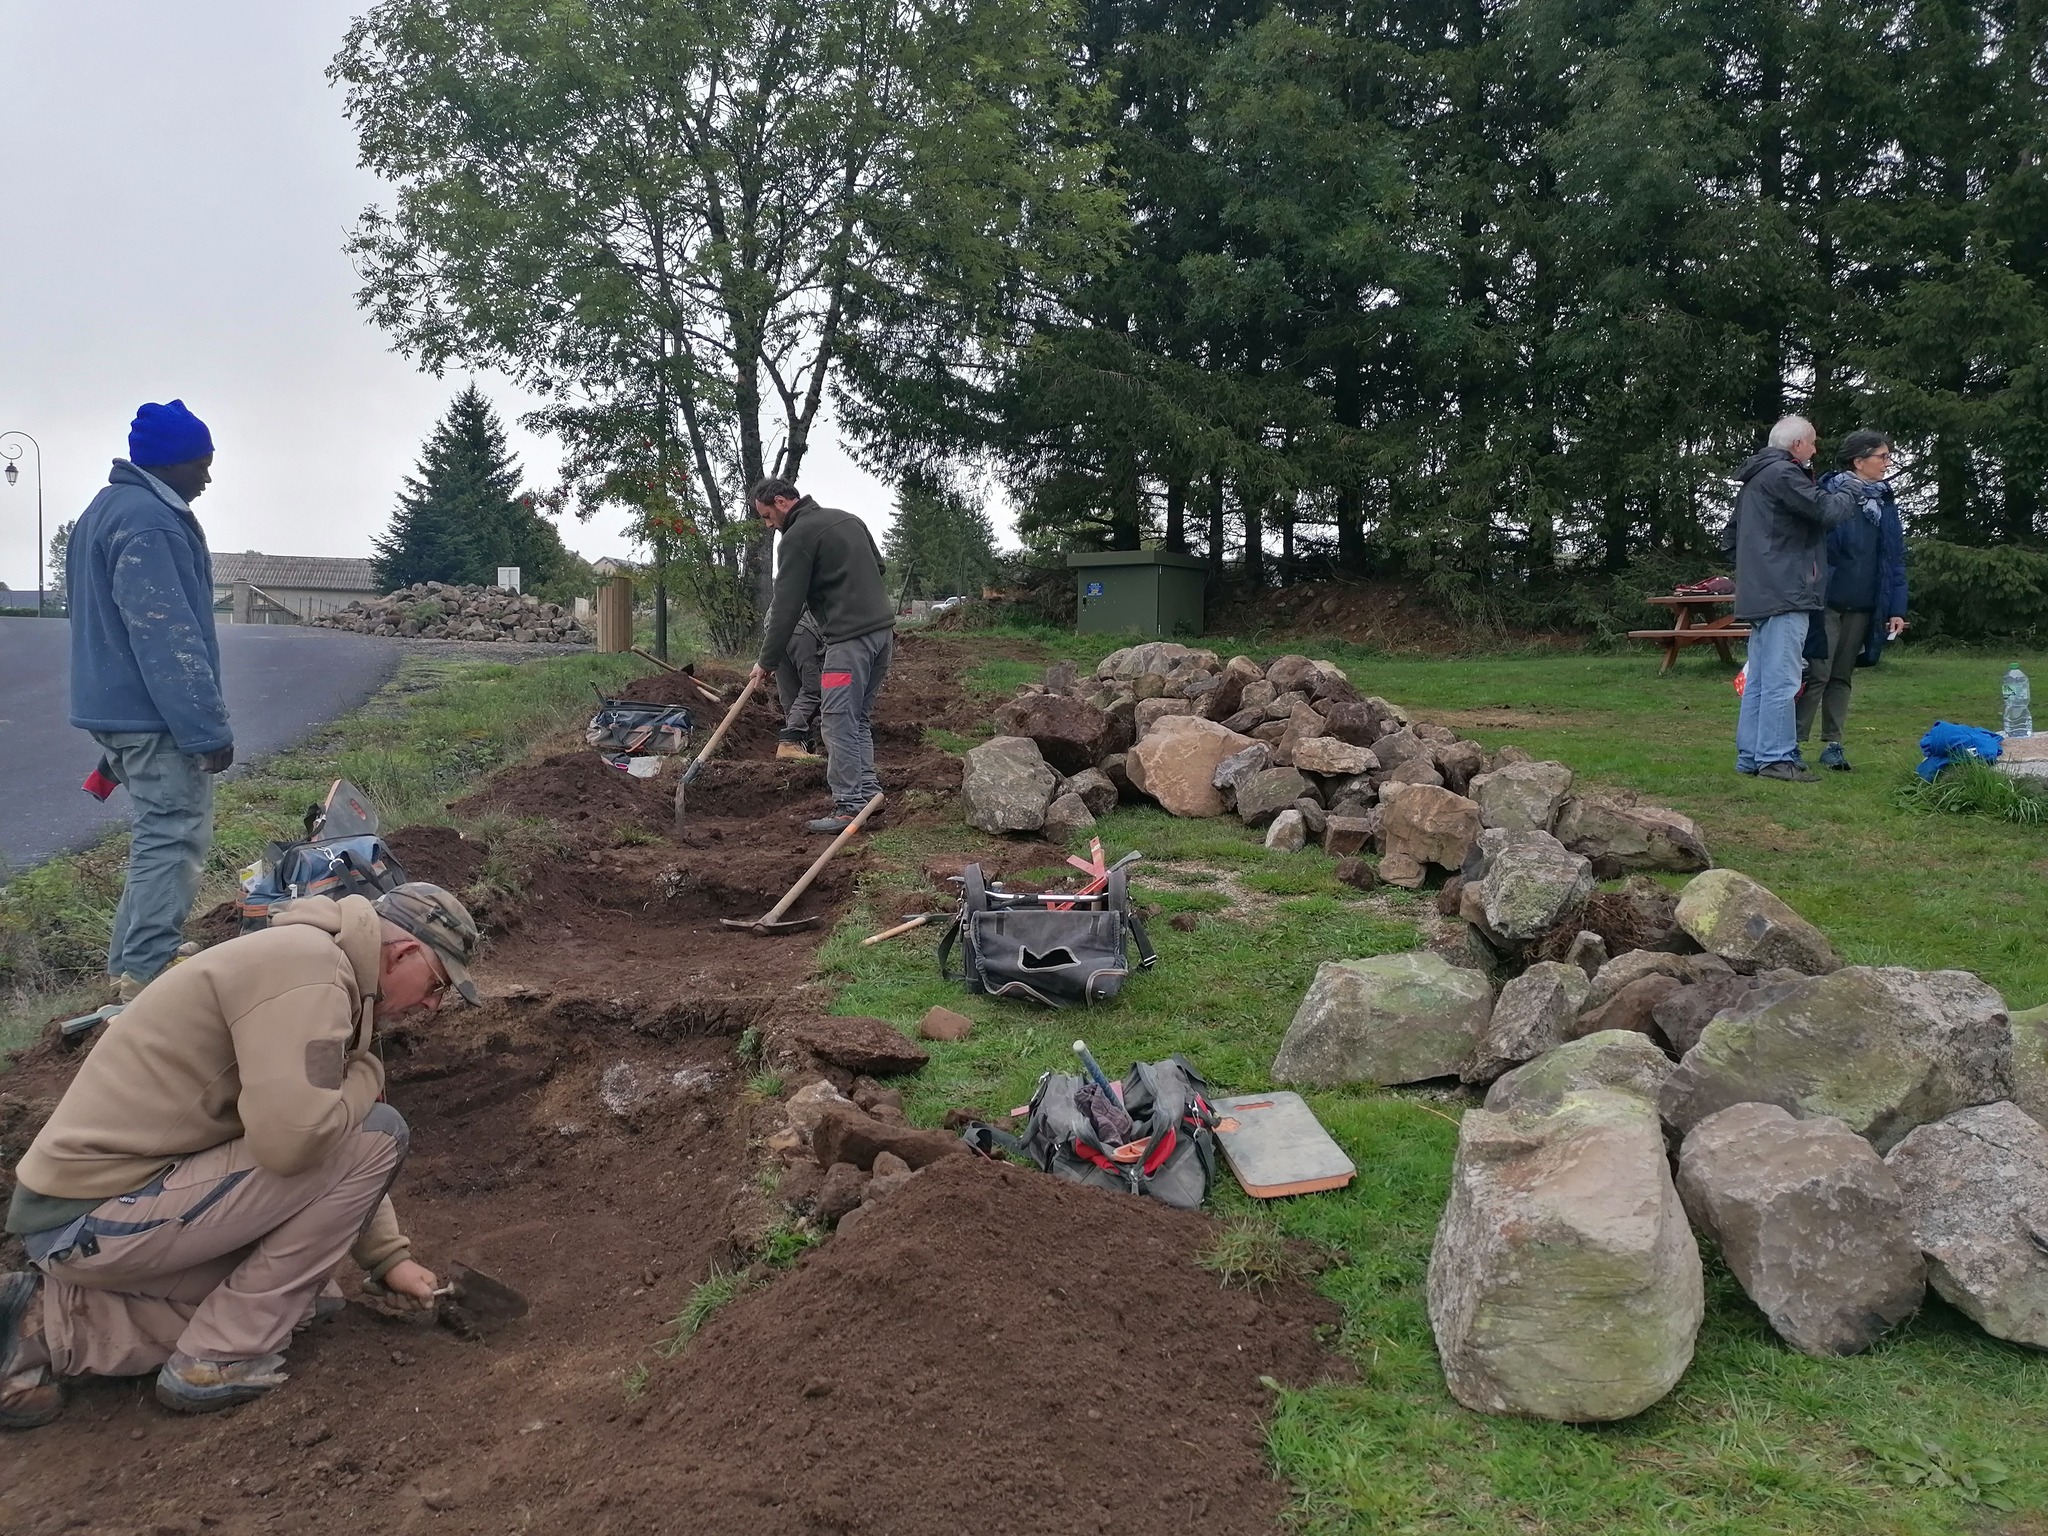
{"x":218,"y":762}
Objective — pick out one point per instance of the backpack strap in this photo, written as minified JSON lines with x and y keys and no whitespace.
{"x":1120,"y":903}
{"x":946,"y":942}
{"x":986,"y":1141}
{"x":973,"y":890}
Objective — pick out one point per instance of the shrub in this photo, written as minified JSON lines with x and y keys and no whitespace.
{"x":1974,"y":596}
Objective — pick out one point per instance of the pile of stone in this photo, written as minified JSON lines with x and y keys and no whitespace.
{"x":1846,"y":1135}
{"x":1296,"y":749}
{"x":439,"y":610}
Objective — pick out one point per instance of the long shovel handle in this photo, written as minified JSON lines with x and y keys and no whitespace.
{"x":804,"y":882}
{"x":718,"y":735}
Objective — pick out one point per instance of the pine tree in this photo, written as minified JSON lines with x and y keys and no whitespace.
{"x":939,"y":545}
{"x":462,"y":515}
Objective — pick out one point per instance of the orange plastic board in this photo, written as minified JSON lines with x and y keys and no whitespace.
{"x":1276,"y":1146}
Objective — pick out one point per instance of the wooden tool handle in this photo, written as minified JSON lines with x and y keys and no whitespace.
{"x":904,"y":927}
{"x":718,"y":735}
{"x":804,"y":882}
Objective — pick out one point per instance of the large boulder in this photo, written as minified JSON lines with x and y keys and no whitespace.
{"x":1809,"y":1221}
{"x":1388,"y":1019}
{"x":1290,"y":674}
{"x":1532,"y":1015}
{"x":1007,"y":785}
{"x":1070,"y":734}
{"x":1520,"y":885}
{"x":1622,"y":837}
{"x":2030,"y":1062}
{"x":1883,"y":1049}
{"x":1521,"y":797}
{"x":1168,"y":659}
{"x":1731,"y":915}
{"x":1147,"y":713}
{"x":1633,"y":1008}
{"x":1632,"y":965}
{"x":1976,"y":1184}
{"x":1358,"y":723}
{"x":1683,"y":1015}
{"x":1066,"y":819}
{"x":1267,"y":793}
{"x":1615,"y":1059}
{"x":1288,"y":833}
{"x":1423,"y":825}
{"x":1176,"y":764}
{"x":1460,"y":762}
{"x":1233,"y":770}
{"x":1328,"y":755}
{"x":1227,"y":697}
{"x":1094,"y":789}
{"x":1565,"y":1283}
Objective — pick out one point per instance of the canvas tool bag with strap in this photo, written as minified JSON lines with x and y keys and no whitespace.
{"x":343,"y":866}
{"x":640,"y":730}
{"x":1053,"y":949}
{"x":1160,"y":1141}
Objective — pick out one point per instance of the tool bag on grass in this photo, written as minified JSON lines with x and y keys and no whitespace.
{"x":1025,"y":946}
{"x":343,"y":866}
{"x":641,"y":730}
{"x":1161,"y":1141}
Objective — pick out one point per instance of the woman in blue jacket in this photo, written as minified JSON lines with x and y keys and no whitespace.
{"x":1866,"y":589}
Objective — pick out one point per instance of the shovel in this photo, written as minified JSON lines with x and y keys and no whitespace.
{"x":772,"y":921}
{"x":697,"y":763}
{"x":473,"y":1303}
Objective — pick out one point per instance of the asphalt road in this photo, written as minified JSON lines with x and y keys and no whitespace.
{"x":282,"y":683}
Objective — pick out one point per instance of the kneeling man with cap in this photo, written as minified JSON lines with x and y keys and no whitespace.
{"x":217,"y":1154}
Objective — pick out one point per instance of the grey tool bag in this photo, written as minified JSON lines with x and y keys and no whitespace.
{"x":1027,"y":947}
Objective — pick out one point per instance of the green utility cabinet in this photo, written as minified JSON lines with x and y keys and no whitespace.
{"x":1138,"y":592}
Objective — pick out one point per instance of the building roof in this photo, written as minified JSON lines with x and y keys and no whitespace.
{"x":325,"y":572}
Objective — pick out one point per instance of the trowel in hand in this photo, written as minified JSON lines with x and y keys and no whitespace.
{"x":473,"y":1303}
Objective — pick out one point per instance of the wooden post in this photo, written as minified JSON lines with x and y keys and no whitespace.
{"x":615,"y":614}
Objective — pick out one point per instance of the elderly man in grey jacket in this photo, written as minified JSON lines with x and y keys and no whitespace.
{"x":1779,"y":542}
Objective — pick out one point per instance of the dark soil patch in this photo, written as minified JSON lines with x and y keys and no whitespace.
{"x":585,"y":1137}
{"x":990,"y":1346}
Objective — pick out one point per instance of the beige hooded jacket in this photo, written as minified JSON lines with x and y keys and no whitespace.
{"x":267,"y":1036}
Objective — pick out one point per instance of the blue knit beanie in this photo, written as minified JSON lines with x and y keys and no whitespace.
{"x":167,"y":434}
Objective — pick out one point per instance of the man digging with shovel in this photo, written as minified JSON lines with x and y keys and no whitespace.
{"x":828,"y":563}
{"x":218,"y":1152}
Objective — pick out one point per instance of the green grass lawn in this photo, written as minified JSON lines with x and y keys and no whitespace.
{"x":1756,"y":1438}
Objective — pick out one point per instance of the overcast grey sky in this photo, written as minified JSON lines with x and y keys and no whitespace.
{"x":176,"y":182}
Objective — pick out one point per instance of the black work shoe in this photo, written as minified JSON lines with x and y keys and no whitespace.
{"x":1796,"y":773}
{"x":186,"y":1385}
{"x":30,"y":1396}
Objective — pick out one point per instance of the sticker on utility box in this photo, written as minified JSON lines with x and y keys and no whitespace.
{"x":1094,"y":589}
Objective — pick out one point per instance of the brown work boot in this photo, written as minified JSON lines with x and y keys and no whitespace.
{"x":30,"y":1396}
{"x":794,"y":752}
{"x":189,"y":1385}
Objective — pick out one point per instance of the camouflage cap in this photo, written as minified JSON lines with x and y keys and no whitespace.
{"x":439,"y":921}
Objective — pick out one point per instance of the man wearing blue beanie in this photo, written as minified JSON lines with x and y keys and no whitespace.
{"x":145,"y":675}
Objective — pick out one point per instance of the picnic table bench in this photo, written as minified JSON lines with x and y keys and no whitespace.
{"x":1720,"y":632}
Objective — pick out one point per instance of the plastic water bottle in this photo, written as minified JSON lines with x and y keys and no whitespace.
{"x":2019,"y":716}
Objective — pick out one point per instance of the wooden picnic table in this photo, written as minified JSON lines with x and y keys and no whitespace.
{"x":1686,"y":628}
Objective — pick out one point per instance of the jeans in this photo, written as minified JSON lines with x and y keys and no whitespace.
{"x":796,"y":682}
{"x":851,"y":677}
{"x":1765,"y":730}
{"x":173,"y":799}
{"x":1828,"y":682}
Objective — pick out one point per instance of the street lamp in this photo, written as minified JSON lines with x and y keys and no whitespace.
{"x":10,"y":452}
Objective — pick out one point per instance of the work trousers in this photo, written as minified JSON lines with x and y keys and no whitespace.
{"x":796,"y":681}
{"x":215,"y":1258}
{"x":849,"y":681}
{"x":1828,"y":682}
{"x":173,"y":798}
{"x":1765,"y":726}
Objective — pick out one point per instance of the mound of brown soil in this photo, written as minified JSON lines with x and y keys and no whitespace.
{"x":993,"y":1347}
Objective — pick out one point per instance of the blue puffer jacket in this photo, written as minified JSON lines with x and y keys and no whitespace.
{"x":143,"y":652}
